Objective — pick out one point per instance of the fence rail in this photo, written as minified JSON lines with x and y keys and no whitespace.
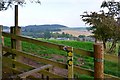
{"x":47,"y":61}
{"x":108,"y":57}
{"x":26,"y":67}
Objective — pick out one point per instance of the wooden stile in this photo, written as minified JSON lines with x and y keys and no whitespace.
{"x":35,"y":57}
{"x":61,"y":65}
{"x":25,"y":74}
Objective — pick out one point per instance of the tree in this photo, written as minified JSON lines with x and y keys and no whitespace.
{"x":104,"y":25}
{"x":112,"y":6}
{"x":81,"y":36}
{"x":99,"y":25}
{"x":47,"y":34}
{"x":5,"y":4}
{"x":114,"y":11}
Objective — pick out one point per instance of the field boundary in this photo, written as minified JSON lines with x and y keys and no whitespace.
{"x":108,"y":57}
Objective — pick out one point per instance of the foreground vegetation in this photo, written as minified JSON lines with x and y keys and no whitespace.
{"x":79,"y":60}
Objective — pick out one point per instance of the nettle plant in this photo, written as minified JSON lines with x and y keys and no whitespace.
{"x":5,"y":4}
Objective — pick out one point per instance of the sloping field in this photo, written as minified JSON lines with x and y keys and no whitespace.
{"x":77,"y":33}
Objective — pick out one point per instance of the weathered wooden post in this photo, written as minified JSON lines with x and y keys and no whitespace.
{"x":15,"y":44}
{"x":42,"y":76}
{"x":98,"y":62}
{"x":17,"y":29}
{"x":119,"y":59}
{"x":47,"y":77}
{"x":13,"y":41}
{"x":70,"y":62}
{"x":0,"y":52}
{"x":16,"y":16}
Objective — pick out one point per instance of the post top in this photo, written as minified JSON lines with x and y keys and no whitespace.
{"x":68,"y":48}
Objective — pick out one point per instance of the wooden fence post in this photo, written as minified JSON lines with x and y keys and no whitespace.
{"x":98,"y":62}
{"x":15,"y":44}
{"x":70,"y":63}
{"x":42,"y":76}
{"x":47,"y":77}
{"x":16,"y":30}
{"x":0,"y":52}
{"x":16,"y":16}
{"x":13,"y":41}
{"x":119,"y":59}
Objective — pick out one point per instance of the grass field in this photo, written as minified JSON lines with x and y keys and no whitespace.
{"x":82,"y":61}
{"x":75,"y":44}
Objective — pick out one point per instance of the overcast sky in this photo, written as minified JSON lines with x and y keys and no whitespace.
{"x":64,"y":12}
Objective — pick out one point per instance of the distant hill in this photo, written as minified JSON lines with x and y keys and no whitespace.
{"x":39,"y":28}
{"x":5,"y":27}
